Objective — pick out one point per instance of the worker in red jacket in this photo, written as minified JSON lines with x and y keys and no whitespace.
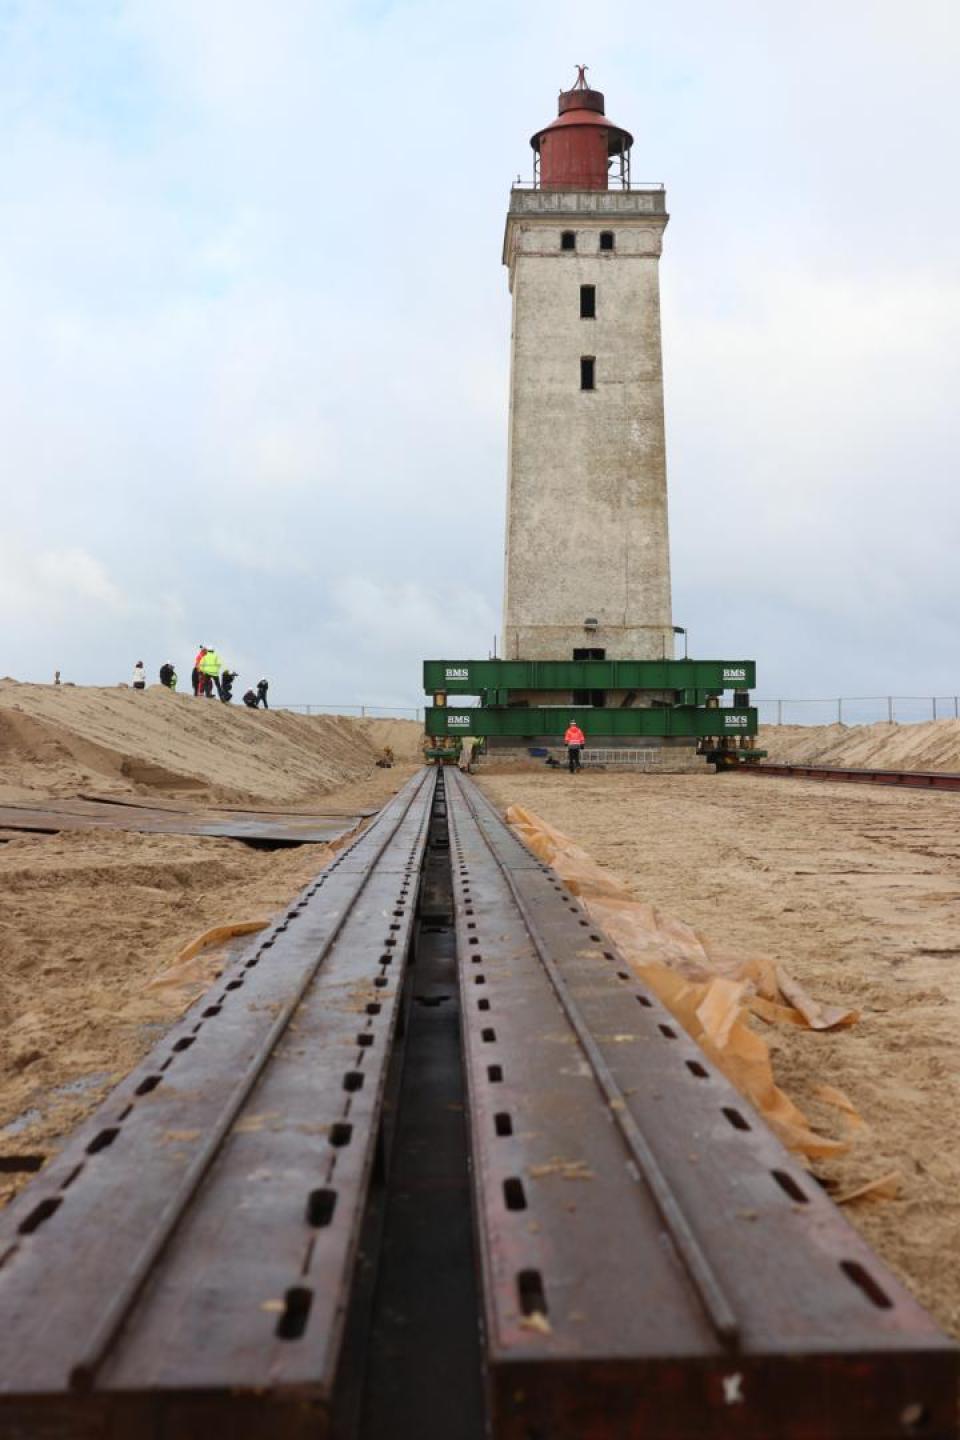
{"x":197,"y":680}
{"x":574,"y":739}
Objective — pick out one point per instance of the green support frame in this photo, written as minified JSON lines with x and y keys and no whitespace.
{"x":477,"y":677}
{"x":549,"y":723}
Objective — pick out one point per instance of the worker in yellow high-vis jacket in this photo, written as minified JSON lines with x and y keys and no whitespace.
{"x":210,"y":667}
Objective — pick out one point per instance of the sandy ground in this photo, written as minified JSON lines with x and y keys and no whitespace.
{"x":859,"y":894}
{"x":931,"y":746}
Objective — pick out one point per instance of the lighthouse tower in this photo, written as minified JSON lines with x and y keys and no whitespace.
{"x":587,"y":572}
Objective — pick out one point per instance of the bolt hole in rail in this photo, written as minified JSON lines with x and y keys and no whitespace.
{"x":430,"y":1161}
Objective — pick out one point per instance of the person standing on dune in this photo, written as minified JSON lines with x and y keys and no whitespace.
{"x":139,"y":676}
{"x":210,"y":667}
{"x":196,"y":679}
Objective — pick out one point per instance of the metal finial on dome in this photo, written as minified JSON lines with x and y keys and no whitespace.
{"x":582,"y":78}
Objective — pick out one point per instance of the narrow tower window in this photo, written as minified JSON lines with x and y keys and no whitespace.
{"x":568,"y":240}
{"x":587,"y":363}
{"x":588,"y":302}
{"x":606,"y":239}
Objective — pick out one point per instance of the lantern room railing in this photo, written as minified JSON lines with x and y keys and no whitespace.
{"x":534,"y":184}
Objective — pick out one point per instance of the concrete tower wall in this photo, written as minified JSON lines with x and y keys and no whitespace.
{"x":587,"y":503}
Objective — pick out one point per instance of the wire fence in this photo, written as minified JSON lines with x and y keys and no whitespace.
{"x":860,"y":710}
{"x":838,"y":710}
{"x":369,"y":712}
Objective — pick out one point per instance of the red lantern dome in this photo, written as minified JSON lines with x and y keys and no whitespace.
{"x":577,"y":150}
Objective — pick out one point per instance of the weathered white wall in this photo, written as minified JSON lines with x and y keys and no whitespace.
{"x":587,"y":499}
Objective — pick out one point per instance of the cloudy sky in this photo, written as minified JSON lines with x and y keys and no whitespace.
{"x":254,"y":328}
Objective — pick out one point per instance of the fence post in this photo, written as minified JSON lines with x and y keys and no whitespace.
{"x":363,"y":712}
{"x":779,"y":712}
{"x":934,"y":707}
{"x":956,"y":713}
{"x":889,"y":709}
{"x":840,"y":710}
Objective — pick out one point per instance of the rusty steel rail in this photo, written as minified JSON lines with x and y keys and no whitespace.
{"x":907,"y":779}
{"x":186,"y":1261}
{"x":434,"y":1094}
{"x":715,"y":1303}
{"x":697,"y":1283}
{"x":273,"y":828}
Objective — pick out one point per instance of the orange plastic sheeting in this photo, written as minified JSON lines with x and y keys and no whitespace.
{"x":885,"y":1187}
{"x":833,"y":1095}
{"x":193,"y":969}
{"x":711,"y":990}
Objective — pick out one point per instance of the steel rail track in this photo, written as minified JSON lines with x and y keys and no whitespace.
{"x":125,"y":1310}
{"x":262,"y":828}
{"x":906,"y":779}
{"x":108,"y":1325}
{"x":434,"y":1093}
{"x":593,"y":1250}
{"x":691,"y":1252}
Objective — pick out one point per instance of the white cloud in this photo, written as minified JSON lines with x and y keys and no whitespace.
{"x":814,"y":429}
{"x":73,"y":575}
{"x":388,"y":629}
{"x":55,"y":584}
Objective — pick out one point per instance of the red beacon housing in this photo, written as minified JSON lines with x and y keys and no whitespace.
{"x":582,"y":146}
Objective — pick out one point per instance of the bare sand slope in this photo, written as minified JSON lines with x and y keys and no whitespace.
{"x":857,"y":892}
{"x":934,"y":745}
{"x":58,"y":740}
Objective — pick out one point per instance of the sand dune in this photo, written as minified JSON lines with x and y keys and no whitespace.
{"x":59,"y":740}
{"x":934,"y":745}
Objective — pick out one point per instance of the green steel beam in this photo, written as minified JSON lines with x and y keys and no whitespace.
{"x":550,"y":723}
{"x":475,"y":677}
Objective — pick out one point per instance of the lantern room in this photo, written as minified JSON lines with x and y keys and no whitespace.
{"x":582,"y":149}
